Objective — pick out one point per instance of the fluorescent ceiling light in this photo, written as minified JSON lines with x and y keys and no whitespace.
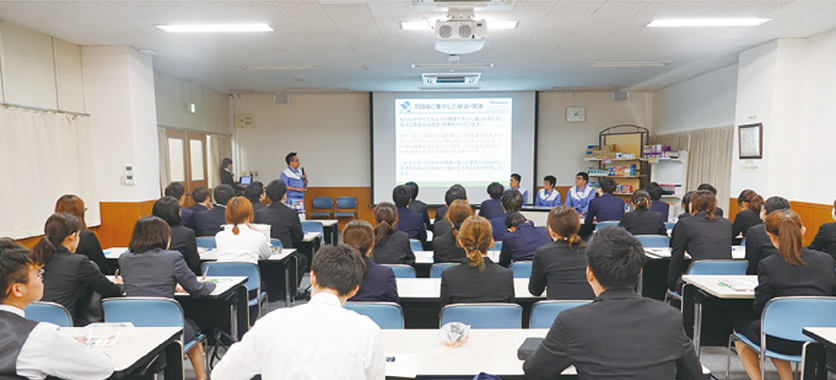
{"x":300,"y":66}
{"x":629,"y":64}
{"x":416,"y":25}
{"x":706,"y":22}
{"x":215,"y":28}
{"x":429,"y":24}
{"x":452,"y":66}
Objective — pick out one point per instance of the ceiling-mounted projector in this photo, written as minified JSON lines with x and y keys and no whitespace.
{"x":457,"y":36}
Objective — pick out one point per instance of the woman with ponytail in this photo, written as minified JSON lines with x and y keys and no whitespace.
{"x":561,"y":264}
{"x":390,"y":245}
{"x":642,"y":221}
{"x":445,"y":249}
{"x":240,"y":240}
{"x":68,"y":276}
{"x":750,"y":214}
{"x":478,"y":279}
{"x":89,"y":245}
{"x":794,"y":271}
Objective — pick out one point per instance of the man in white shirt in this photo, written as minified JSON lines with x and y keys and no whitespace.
{"x":35,"y":350}
{"x":318,"y":340}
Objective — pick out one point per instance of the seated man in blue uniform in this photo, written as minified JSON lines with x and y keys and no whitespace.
{"x":548,"y":196}
{"x":521,"y":240}
{"x":606,"y":207}
{"x":515,"y":184}
{"x":580,"y":194}
{"x":492,"y":208}
{"x":511,"y":202}
{"x":409,"y":221}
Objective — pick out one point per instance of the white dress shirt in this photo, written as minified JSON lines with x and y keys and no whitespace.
{"x":248,"y":246}
{"x":318,"y":340}
{"x":47,"y":352}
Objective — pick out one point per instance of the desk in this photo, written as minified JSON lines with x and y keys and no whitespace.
{"x":426,"y":257}
{"x":211,"y":254}
{"x":697,"y":287}
{"x":819,"y":357}
{"x":137,"y":347}
{"x":331,"y":229}
{"x":738,"y":253}
{"x":430,"y":289}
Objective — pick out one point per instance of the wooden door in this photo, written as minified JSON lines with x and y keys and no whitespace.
{"x":187,"y":160}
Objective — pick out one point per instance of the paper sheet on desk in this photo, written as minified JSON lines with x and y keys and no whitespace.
{"x":740,"y":285}
{"x":402,"y":364}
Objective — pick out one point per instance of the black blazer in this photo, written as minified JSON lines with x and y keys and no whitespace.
{"x":208,"y":223}
{"x":521,"y":244}
{"x":491,"y":208}
{"x":612,"y":339}
{"x":758,"y":247}
{"x":445,"y":250}
{"x":660,"y":207}
{"x":825,"y":240}
{"x":157,"y":272}
{"x":442,"y":227}
{"x":777,"y":278}
{"x":439,"y":214}
{"x":421,"y":208}
{"x":183,"y":241}
{"x":394,"y":250}
{"x":702,"y":238}
{"x":563,"y":268}
{"x":606,"y":207}
{"x":258,"y":206}
{"x":643,"y":222}
{"x":466,"y":284}
{"x":412,"y":223}
{"x":226,"y":179}
{"x":744,"y":220}
{"x":67,"y":276}
{"x":378,"y":285}
{"x":190,"y":221}
{"x":89,"y":246}
{"x":284,"y":224}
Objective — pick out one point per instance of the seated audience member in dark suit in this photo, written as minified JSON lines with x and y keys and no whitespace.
{"x":208,"y":223}
{"x":202,"y":202}
{"x":379,"y":282}
{"x":686,"y":206}
{"x":642,"y":221}
{"x":89,"y":245}
{"x":601,"y":338}
{"x":656,"y":203}
{"x":178,"y":192}
{"x":182,"y":237}
{"x":68,"y":276}
{"x":703,"y":235}
{"x":409,"y":221}
{"x":825,"y":240}
{"x":37,"y":350}
{"x":479,"y":279}
{"x":562,"y":263}
{"x":254,"y":192}
{"x":512,"y":202}
{"x":607,"y":207}
{"x":445,"y":248}
{"x":521,"y":240}
{"x":390,"y":245}
{"x":707,"y":187}
{"x":442,"y":226}
{"x":284,"y":222}
{"x":794,"y":271}
{"x":492,"y":208}
{"x":149,"y":269}
{"x":416,"y":205}
{"x":750,"y":215}
{"x":758,"y":244}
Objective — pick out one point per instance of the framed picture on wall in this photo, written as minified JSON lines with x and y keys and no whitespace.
{"x":751,"y":140}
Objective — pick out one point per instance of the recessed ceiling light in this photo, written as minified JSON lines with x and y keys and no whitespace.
{"x":215,"y":28}
{"x":629,"y":64}
{"x":299,"y":66}
{"x":452,"y":66}
{"x":429,"y":24}
{"x":706,"y":22}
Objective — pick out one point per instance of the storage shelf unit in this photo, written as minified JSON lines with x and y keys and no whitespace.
{"x":629,"y":139}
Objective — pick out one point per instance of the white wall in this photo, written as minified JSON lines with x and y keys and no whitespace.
{"x":707,"y":101}
{"x":330,"y":133}
{"x":173,"y":97}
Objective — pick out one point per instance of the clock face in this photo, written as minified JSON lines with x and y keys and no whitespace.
{"x":575,"y":114}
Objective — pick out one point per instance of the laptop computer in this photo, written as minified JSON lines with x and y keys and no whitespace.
{"x":245,"y":180}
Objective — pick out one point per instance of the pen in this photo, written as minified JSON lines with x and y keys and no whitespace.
{"x":116,"y":274}
{"x":205,"y":272}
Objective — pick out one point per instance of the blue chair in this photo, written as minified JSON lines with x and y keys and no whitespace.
{"x":608,"y":223}
{"x":484,"y":315}
{"x":415,"y":245}
{"x":743,"y":242}
{"x":346,"y":203}
{"x":147,"y":312}
{"x":785,"y":318}
{"x":322,"y":203}
{"x":497,"y":246}
{"x":235,"y":269}
{"x":276,"y":243}
{"x":206,"y":242}
{"x":401,"y":270}
{"x":653,"y":241}
{"x":522,"y":269}
{"x":51,"y":312}
{"x":312,"y":226}
{"x":543,"y":313}
{"x":387,"y":315}
{"x":712,"y":267}
{"x":669,"y":225}
{"x":436,"y":269}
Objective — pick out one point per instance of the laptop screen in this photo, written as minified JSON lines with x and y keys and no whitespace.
{"x":246,"y":180}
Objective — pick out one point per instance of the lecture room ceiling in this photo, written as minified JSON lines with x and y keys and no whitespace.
{"x":358,"y":44}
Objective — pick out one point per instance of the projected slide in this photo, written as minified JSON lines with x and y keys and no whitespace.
{"x":439,"y":141}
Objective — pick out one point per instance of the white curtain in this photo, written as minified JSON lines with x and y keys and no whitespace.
{"x":43,"y":155}
{"x":165,"y":175}
{"x":220,"y":147}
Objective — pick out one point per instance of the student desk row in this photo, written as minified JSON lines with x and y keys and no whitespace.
{"x":819,"y":357}
{"x":330,"y":227}
{"x":655,"y":273}
{"x":697,"y":289}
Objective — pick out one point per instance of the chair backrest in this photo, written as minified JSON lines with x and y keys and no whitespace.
{"x":143,"y":311}
{"x":415,"y":245}
{"x":669,"y":225}
{"x":347,"y":202}
{"x":401,"y":270}
{"x":497,"y":246}
{"x":543,"y":313}
{"x":653,"y":241}
{"x":785,"y":317}
{"x":718,"y":267}
{"x":387,"y":315}
{"x":311,"y":226}
{"x":522,"y":269}
{"x":743,"y":242}
{"x":607,"y":223}
{"x":206,"y":242}
{"x":436,"y":269}
{"x":235,"y":269}
{"x":323,"y":203}
{"x":276,"y":243}
{"x":484,"y":315}
{"x":51,"y":312}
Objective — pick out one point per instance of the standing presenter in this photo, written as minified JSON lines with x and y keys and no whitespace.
{"x":296,"y":181}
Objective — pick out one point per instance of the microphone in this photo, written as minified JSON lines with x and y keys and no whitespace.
{"x":303,"y":170}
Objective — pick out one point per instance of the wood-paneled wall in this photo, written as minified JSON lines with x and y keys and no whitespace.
{"x":118,"y":219}
{"x":813,"y":215}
